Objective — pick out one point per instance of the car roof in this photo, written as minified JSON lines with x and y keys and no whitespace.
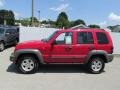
{"x":83,"y":29}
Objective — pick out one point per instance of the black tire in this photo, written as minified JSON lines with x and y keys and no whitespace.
{"x":2,"y":46}
{"x":96,"y":65}
{"x":27,"y":64}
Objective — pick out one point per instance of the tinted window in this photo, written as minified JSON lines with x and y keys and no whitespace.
{"x":85,"y":38}
{"x":102,"y":38}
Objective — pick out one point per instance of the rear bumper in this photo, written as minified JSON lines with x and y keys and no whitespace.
{"x":110,"y":58}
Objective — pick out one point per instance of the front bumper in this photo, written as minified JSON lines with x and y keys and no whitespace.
{"x":110,"y":58}
{"x":12,"y":57}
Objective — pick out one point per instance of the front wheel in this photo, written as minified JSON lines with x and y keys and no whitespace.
{"x":27,"y":64}
{"x":96,"y":65}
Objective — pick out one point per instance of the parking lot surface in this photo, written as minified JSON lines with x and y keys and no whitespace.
{"x":58,"y":77}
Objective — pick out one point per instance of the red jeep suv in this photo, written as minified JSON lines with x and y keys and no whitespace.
{"x":91,"y":47}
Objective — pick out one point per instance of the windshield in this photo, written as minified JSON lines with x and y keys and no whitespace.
{"x":1,"y":31}
{"x":49,"y":37}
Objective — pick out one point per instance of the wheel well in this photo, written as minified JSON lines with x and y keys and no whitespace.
{"x":28,"y":54}
{"x":100,"y":56}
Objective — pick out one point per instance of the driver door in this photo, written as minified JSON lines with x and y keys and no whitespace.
{"x":62,"y":48}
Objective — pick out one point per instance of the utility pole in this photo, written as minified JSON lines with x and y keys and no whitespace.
{"x":32,"y":13}
{"x":39,"y":16}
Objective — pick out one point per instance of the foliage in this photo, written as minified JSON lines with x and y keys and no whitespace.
{"x":62,"y":20}
{"x":94,"y":26}
{"x":77,"y":22}
{"x":27,"y":21}
{"x":7,"y":16}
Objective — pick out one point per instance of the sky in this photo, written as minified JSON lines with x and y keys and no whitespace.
{"x":101,"y":12}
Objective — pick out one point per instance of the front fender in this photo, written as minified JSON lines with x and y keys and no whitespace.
{"x":28,"y":51}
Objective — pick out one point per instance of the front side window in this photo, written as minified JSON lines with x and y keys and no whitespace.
{"x":85,"y":38}
{"x":64,"y":38}
{"x":102,"y":38}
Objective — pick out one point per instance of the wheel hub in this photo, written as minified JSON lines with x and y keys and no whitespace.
{"x":96,"y":65}
{"x":27,"y":65}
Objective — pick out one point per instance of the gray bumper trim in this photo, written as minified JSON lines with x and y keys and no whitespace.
{"x":12,"y":57}
{"x":110,"y":57}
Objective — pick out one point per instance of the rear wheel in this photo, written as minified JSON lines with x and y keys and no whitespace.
{"x":96,"y":65}
{"x":2,"y":46}
{"x":27,"y":64}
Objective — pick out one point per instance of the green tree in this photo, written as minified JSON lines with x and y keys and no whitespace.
{"x":36,"y":21}
{"x":7,"y":16}
{"x":94,"y":26}
{"x":77,"y":22}
{"x":62,"y":20}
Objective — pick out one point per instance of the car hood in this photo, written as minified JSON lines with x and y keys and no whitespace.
{"x":34,"y":44}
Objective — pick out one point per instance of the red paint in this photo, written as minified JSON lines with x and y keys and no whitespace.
{"x":75,"y":53}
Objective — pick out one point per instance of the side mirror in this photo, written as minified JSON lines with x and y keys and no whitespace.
{"x":68,"y":40}
{"x":53,"y":43}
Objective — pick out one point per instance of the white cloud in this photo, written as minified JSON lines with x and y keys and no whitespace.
{"x":1,"y":3}
{"x":17,"y":15}
{"x":103,"y":24}
{"x":114,"y":17}
{"x":60,"y":8}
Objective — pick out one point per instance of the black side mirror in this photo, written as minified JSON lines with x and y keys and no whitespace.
{"x":54,"y":43}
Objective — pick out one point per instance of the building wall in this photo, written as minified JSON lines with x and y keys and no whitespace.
{"x":35,"y":33}
{"x":116,"y":42}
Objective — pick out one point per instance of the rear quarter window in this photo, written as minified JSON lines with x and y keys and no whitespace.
{"x":102,"y":38}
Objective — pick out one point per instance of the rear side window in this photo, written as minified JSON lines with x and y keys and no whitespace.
{"x":85,"y":38}
{"x":102,"y":38}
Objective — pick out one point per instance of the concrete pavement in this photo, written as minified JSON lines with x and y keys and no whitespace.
{"x":58,"y":77}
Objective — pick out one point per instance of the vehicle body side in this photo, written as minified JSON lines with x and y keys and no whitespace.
{"x":48,"y":53}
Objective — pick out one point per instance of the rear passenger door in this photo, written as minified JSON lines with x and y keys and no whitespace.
{"x":84,"y":44}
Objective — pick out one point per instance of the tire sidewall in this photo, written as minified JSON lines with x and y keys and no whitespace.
{"x":21,"y":70}
{"x":90,"y":65}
